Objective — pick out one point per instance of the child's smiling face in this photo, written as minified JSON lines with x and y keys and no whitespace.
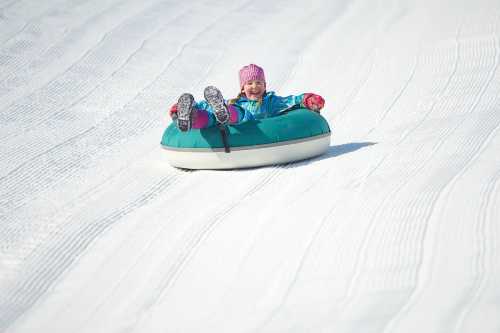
{"x":254,"y":89}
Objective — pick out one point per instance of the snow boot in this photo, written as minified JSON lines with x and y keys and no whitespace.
{"x":216,"y":101}
{"x":185,"y":110}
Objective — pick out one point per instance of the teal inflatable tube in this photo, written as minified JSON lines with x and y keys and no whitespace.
{"x":294,"y":135}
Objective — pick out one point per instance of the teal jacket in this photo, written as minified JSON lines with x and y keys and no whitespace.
{"x":270,"y":106}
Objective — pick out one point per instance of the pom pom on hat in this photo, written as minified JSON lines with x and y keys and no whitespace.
{"x":251,"y":72}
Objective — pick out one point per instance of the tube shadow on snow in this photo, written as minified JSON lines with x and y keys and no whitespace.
{"x":345,"y":148}
{"x":333,"y":151}
{"x":337,"y":150}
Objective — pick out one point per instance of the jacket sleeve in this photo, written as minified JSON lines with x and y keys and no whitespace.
{"x":282,"y":103}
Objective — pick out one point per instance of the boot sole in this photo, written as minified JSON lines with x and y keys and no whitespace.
{"x":214,"y":97}
{"x":185,"y":106}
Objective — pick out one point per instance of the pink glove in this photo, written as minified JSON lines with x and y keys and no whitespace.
{"x":173,"y":111}
{"x":313,"y":102}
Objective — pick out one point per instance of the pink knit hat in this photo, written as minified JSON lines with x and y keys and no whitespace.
{"x":251,"y":72}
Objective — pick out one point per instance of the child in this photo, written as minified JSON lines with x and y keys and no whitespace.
{"x":253,"y":102}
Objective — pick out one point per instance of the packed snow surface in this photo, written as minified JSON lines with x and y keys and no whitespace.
{"x":395,"y":229}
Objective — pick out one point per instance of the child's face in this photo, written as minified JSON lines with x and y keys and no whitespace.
{"x":254,"y":90}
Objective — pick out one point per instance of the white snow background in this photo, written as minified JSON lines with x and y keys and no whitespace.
{"x":395,"y":229}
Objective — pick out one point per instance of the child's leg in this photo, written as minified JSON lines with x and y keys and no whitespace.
{"x":235,"y":115}
{"x":223,"y":113}
{"x":187,"y":116}
{"x":203,"y":119}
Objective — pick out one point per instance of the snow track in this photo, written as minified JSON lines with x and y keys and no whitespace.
{"x":393,"y":230}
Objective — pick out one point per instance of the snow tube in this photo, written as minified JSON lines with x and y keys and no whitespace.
{"x":292,"y":136}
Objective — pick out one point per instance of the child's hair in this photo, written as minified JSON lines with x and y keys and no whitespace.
{"x":240,"y":95}
{"x":234,"y":100}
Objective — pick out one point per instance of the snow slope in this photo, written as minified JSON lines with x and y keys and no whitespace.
{"x":395,"y":229}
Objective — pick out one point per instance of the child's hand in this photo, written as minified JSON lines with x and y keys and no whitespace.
{"x":313,"y":102}
{"x":173,"y":111}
